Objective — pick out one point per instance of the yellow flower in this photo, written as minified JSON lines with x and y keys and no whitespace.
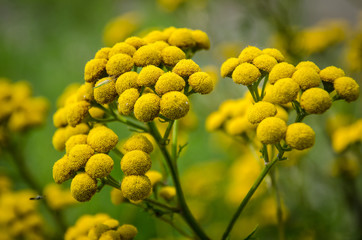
{"x":331,"y":73}
{"x":110,"y":235}
{"x":275,"y":53}
{"x":174,"y":105}
{"x":249,"y":53}
{"x":102,"y":139}
{"x":201,"y":38}
{"x":79,"y":155}
{"x":59,"y":139}
{"x":306,"y":77}
{"x":238,"y":125}
{"x":147,"y":55}
{"x":172,"y":55}
{"x":62,"y":170}
{"x":135,"y":162}
{"x":282,"y":113}
{"x":96,"y":112}
{"x":308,"y":64}
{"x":186,"y":67}
{"x":126,"y":81}
{"x":155,"y":36}
{"x":281,"y":70}
{"x":271,"y":130}
{"x":122,"y":47}
{"x":99,"y":165}
{"x":147,"y":107}
{"x":160,"y":45}
{"x":56,"y":197}
{"x":82,"y":128}
{"x":300,"y":136}
{"x":315,"y":101}
{"x":182,"y":38}
{"x":85,"y":92}
{"x":259,"y":111}
{"x":136,"y":42}
{"x":169,"y":82}
{"x":149,"y":76}
{"x":135,"y":187}
{"x":127,"y":100}
{"x":138,"y":142}
{"x":285,"y":90}
{"x":83,"y":187}
{"x":116,"y":196}
{"x":265,"y":62}
{"x":127,"y":231}
{"x":60,"y":118}
{"x":119,"y":64}
{"x":75,"y":140}
{"x":347,"y":88}
{"x":154,"y":176}
{"x":167,"y":192}
{"x":228,"y":67}
{"x":95,"y":69}
{"x":103,"y":53}
{"x":97,"y":230}
{"x":105,"y":91}
{"x":214,"y":121}
{"x":201,"y":82}
{"x":246,"y":74}
{"x":76,"y":112}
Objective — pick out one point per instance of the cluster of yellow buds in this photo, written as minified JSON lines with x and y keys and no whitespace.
{"x":100,"y":227}
{"x":19,"y":110}
{"x":345,"y":136}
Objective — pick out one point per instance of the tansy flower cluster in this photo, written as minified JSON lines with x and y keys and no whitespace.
{"x":100,"y":227}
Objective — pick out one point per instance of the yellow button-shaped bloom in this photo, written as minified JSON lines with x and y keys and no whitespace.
{"x":281,"y":70}
{"x":97,"y":230}
{"x":105,"y":91}
{"x":122,"y":47}
{"x":169,"y":82}
{"x":308,"y":64}
{"x":138,"y":142}
{"x":160,"y":45}
{"x":155,"y":36}
{"x":201,"y":38}
{"x":271,"y":130}
{"x":147,"y":55}
{"x":102,"y":53}
{"x":136,"y":42}
{"x":62,"y":170}
{"x":127,"y":100}
{"x":76,"y":112}
{"x":85,"y":92}
{"x":83,"y":187}
{"x":214,"y":121}
{"x":126,"y":81}
{"x":116,"y":196}
{"x":75,"y":140}
{"x":275,"y":53}
{"x":259,"y":111}
{"x":249,"y":53}
{"x":99,"y":165}
{"x":282,"y":113}
{"x":60,"y":118}
{"x":79,"y":155}
{"x":186,"y":67}
{"x":135,"y":187}
{"x":300,"y":136}
{"x":331,"y":73}
{"x":81,"y":128}
{"x":147,"y":107}
{"x":110,"y":235}
{"x":174,"y":105}
{"x":285,"y":90}
{"x":228,"y":67}
{"x":95,"y":69}
{"x":172,"y":55}
{"x":59,"y":139}
{"x":201,"y":82}
{"x":246,"y":74}
{"x":154,"y":176}
{"x":315,"y":101}
{"x":167,"y":192}
{"x":127,"y":231}
{"x":96,"y":112}
{"x":265,"y":62}
{"x":136,"y":162}
{"x":149,"y":76}
{"x":306,"y":77}
{"x":102,"y":139}
{"x":238,"y":125}
{"x":347,"y":88}
{"x":182,"y":38}
{"x":119,"y":64}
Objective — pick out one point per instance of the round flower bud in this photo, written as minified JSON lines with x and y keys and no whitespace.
{"x":127,"y":100}
{"x":271,"y":130}
{"x":160,"y":45}
{"x":167,"y":192}
{"x":83,"y":187}
{"x":122,"y":47}
{"x":168,"y":31}
{"x":246,"y":74}
{"x":59,"y":139}
{"x":201,"y":38}
{"x":62,"y":170}
{"x":81,"y":128}
{"x":149,"y":76}
{"x":119,"y":64}
{"x":306,"y":77}
{"x":347,"y":88}
{"x":282,"y":113}
{"x":136,"y":42}
{"x":285,"y":90}
{"x":85,"y":92}
{"x":110,"y":235}
{"x":126,"y":81}
{"x":265,"y":62}
{"x":155,"y":36}
{"x":238,"y":125}
{"x":214,"y":121}
{"x":249,"y":53}
{"x":135,"y":162}
{"x":136,"y":187}
{"x":169,"y":82}
{"x":76,"y":112}
{"x":174,"y":105}
{"x":102,"y":53}
{"x":315,"y":101}
{"x":97,"y":230}
{"x":96,"y":112}
{"x":275,"y":53}
{"x":186,"y":67}
{"x":201,"y":82}
{"x":127,"y":231}
{"x":60,"y":118}
{"x":116,"y":196}
{"x":259,"y":111}
{"x":105,"y":91}
{"x":182,"y":38}
{"x":300,"y":136}
{"x":307,"y":64}
{"x":172,"y":55}
{"x":95,"y":69}
{"x":75,"y":140}
{"x":102,"y":139}
{"x":281,"y":70}
{"x":154,"y":176}
{"x":99,"y":165}
{"x":79,"y":155}
{"x":138,"y":142}
{"x":331,"y":73}
{"x":147,"y":107}
{"x":147,"y":55}
{"x":228,"y":67}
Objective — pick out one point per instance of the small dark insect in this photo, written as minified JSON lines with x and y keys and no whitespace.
{"x":37,"y":197}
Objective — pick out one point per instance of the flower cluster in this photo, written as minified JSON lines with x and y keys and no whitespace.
{"x":100,"y":226}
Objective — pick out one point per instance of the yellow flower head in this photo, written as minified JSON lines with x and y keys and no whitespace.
{"x":110,"y":235}
{"x":102,"y":53}
{"x":214,"y":121}
{"x":136,"y":42}
{"x":102,"y":139}
{"x":138,"y":142}
{"x":281,"y":70}
{"x":201,"y":38}
{"x":174,"y":105}
{"x":182,"y":38}
{"x":76,"y":112}
{"x":127,"y":231}
{"x":81,"y":128}
{"x":169,"y":82}
{"x":136,"y":162}
{"x":119,"y":64}
{"x":75,"y":140}
{"x":249,"y":53}
{"x":265,"y":62}
{"x":83,"y":187}
{"x":135,"y":187}
{"x":172,"y":55}
{"x":160,"y":45}
{"x":62,"y":170}
{"x":246,"y":74}
{"x":99,"y":165}
{"x":347,"y":88}
{"x":105,"y":91}
{"x":282,"y":113}
{"x":167,"y":192}
{"x":126,"y":81}
{"x":259,"y":111}
{"x":96,"y":112}
{"x":59,"y":139}
{"x":97,"y":230}
{"x":275,"y":53}
{"x":155,"y":36}
{"x":95,"y":69}
{"x":116,"y":196}
{"x":201,"y":82}
{"x":149,"y":76}
{"x":186,"y":67}
{"x":228,"y":67}
{"x":271,"y":130}
{"x":57,"y":198}
{"x":285,"y":90}
{"x":147,"y":55}
{"x":154,"y":176}
{"x":331,"y":73}
{"x":79,"y":155}
{"x":168,"y":31}
{"x":308,"y":64}
{"x":306,"y":77}
{"x":147,"y":107}
{"x":122,"y":47}
{"x":238,"y":125}
{"x":300,"y":136}
{"x":315,"y":101}
{"x":127,"y":100}
{"x":60,"y":118}
{"x":85,"y":92}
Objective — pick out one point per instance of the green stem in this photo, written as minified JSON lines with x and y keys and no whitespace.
{"x":156,"y":203}
{"x":184,"y":209}
{"x":174,"y":141}
{"x":265,"y":153}
{"x":251,"y":90}
{"x":167,"y":132}
{"x":266,"y":78}
{"x":279,"y":206}
{"x":182,"y":232}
